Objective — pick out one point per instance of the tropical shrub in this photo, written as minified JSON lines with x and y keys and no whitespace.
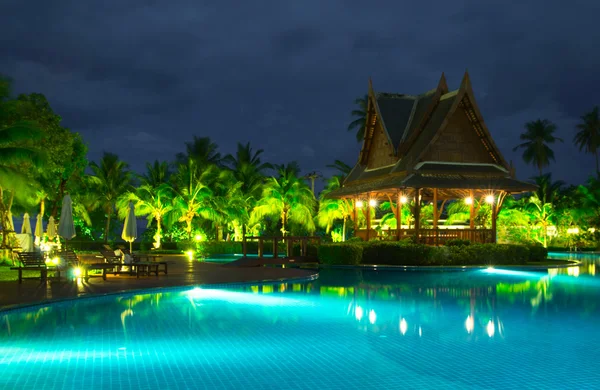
{"x":340,"y":253}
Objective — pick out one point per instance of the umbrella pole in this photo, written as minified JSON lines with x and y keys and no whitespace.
{"x":130,"y":247}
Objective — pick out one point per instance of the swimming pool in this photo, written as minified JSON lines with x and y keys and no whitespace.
{"x":347,"y":330}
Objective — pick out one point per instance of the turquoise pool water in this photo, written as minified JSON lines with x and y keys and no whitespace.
{"x":483,"y":329}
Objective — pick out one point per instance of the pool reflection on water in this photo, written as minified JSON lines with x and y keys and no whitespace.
{"x":348,"y":329}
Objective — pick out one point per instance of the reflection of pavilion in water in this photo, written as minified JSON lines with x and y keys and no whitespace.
{"x":374,"y":307}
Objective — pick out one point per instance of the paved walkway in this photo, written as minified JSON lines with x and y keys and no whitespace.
{"x":182,"y":272}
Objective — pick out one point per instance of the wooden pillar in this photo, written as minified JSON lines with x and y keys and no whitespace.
{"x":244,"y":247}
{"x":472,"y":210}
{"x":368,"y":218}
{"x":398,"y":216}
{"x":355,"y":217}
{"x":494,"y":216}
{"x":417,"y":212}
{"x":435,"y":209}
{"x":275,"y":248}
{"x":260,"y":247}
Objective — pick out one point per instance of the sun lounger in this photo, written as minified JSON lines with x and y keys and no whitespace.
{"x":32,"y":261}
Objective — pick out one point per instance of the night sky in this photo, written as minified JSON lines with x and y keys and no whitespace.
{"x":139,"y":78}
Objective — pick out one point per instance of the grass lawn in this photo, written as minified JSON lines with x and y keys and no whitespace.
{"x":8,"y":275}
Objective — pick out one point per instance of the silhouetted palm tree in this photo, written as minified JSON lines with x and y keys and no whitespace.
{"x":588,"y":136}
{"x":360,"y":113}
{"x":202,"y":151}
{"x":537,"y":136}
{"x":112,"y":179}
{"x":343,"y":168}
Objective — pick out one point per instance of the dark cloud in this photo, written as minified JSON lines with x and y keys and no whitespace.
{"x":297,"y":40}
{"x":140,"y":78}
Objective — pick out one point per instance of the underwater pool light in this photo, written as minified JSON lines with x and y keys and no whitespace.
{"x":403,"y":326}
{"x":358,"y":313}
{"x":372,"y":317}
{"x":491,"y":329}
{"x":469,"y":324}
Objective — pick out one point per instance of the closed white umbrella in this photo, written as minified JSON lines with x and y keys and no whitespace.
{"x":39,"y":229}
{"x":51,"y":228}
{"x":130,"y":227}
{"x":26,"y":227}
{"x":66,"y":227}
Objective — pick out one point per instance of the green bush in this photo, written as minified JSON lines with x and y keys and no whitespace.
{"x":537,"y":253}
{"x":405,"y":253}
{"x":396,"y":253}
{"x":457,"y":242}
{"x":209,"y":248}
{"x":312,"y":250}
{"x":340,"y":253}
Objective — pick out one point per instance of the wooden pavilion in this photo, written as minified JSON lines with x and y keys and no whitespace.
{"x":433,"y":147}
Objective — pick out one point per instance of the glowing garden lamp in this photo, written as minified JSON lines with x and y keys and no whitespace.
{"x":403,"y":199}
{"x":373,"y":203}
{"x":190,"y":254}
{"x":77,"y":272}
{"x":198,"y":237}
{"x":489,"y":199}
{"x":469,"y":200}
{"x":573,"y":230}
{"x":360,"y":204}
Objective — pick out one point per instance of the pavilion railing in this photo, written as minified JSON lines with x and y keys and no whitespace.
{"x":431,"y":236}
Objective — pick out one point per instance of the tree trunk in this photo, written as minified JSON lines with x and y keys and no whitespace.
{"x":188,"y":227}
{"x":3,"y":218}
{"x":243,"y":231}
{"x":344,"y":230}
{"x":158,"y":234}
{"x":107,"y":227}
{"x":61,"y":193}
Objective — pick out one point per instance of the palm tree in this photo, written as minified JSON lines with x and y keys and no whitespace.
{"x":248,"y":170}
{"x":13,"y":153}
{"x":588,"y":136}
{"x":246,"y":156}
{"x":342,"y":168}
{"x":360,"y":123}
{"x":590,"y":200}
{"x":547,"y":191}
{"x":156,"y":174}
{"x":538,"y":136}
{"x":192,"y":195}
{"x":229,"y":202}
{"x":288,"y":198}
{"x":153,"y":203}
{"x":331,"y":210}
{"x":202,"y":151}
{"x":112,"y":179}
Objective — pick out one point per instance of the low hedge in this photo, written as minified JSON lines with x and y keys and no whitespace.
{"x":405,"y":253}
{"x":339,"y":253}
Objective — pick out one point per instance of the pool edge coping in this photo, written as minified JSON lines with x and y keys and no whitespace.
{"x":4,"y":310}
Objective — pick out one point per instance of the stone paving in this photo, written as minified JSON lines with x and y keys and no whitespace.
{"x":182,"y":272}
